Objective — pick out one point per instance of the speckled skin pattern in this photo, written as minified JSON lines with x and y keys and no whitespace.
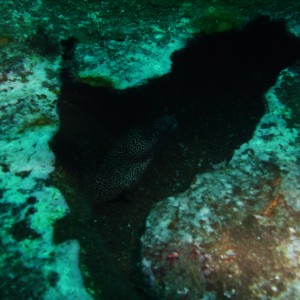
{"x":128,"y":158}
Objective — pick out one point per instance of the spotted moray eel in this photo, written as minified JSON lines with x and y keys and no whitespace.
{"x":128,"y":158}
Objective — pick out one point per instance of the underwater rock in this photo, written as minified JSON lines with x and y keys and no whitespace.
{"x":32,"y":265}
{"x":129,"y":157}
{"x":234,"y":233}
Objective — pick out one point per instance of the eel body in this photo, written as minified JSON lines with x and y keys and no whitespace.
{"x":128,"y":158}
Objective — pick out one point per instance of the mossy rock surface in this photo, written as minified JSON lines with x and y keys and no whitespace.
{"x":96,"y":81}
{"x":219,"y":19}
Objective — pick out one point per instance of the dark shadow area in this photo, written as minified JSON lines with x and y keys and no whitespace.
{"x":215,"y":91}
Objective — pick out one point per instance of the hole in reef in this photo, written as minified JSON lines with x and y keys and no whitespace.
{"x":215,"y":91}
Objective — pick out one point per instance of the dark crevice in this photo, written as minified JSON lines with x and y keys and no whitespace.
{"x":215,"y":91}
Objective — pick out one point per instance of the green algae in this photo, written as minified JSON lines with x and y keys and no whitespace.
{"x":219,"y":19}
{"x":97,"y":81}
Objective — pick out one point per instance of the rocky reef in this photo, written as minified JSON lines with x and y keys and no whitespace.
{"x":234,"y":233}
{"x":220,"y":200}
